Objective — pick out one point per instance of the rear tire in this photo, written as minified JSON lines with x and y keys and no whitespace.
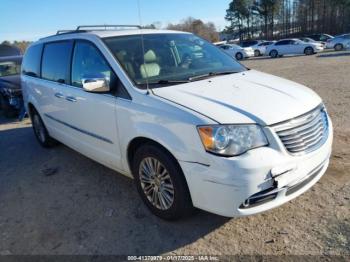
{"x":338,"y":47}
{"x":41,"y":132}
{"x":257,"y":53}
{"x":309,"y":51}
{"x":273,"y":53}
{"x":239,"y":56}
{"x":161,"y":183}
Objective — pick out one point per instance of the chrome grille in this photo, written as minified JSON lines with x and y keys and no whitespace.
{"x":305,"y":133}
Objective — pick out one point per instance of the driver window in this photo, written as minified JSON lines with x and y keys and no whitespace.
{"x":88,"y":62}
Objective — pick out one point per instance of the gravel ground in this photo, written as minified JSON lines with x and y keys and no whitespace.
{"x":60,"y":202}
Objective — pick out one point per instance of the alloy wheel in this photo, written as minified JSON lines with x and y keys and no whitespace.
{"x":239,"y":56}
{"x":338,"y":47}
{"x":156,"y":183}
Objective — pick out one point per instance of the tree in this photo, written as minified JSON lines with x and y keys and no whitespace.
{"x":198,"y":27}
{"x":235,"y":14}
{"x":6,"y":42}
{"x":22,"y":45}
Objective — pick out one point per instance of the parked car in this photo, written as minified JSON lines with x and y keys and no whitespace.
{"x":192,"y":130}
{"x":339,"y":42}
{"x":10,"y":85}
{"x":260,"y":48}
{"x":320,"y":37}
{"x":292,"y":46}
{"x":9,"y":50}
{"x":348,"y":46}
{"x":310,"y":40}
{"x":237,"y":52}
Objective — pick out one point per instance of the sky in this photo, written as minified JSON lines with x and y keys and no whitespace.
{"x":33,"y":19}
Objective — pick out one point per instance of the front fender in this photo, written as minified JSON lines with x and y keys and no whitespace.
{"x":173,"y":128}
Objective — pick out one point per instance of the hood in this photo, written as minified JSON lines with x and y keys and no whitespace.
{"x":247,"y":97}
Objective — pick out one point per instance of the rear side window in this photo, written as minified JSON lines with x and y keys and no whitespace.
{"x":31,"y":61}
{"x":283,"y":42}
{"x":56,"y":61}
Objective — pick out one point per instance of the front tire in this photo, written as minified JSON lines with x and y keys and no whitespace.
{"x":257,"y":53}
{"x":239,"y":56}
{"x":273,"y":53}
{"x":161,"y":183}
{"x":41,"y":132}
{"x":309,"y":51}
{"x":338,"y":47}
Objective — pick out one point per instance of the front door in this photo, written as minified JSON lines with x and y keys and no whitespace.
{"x":91,"y":117}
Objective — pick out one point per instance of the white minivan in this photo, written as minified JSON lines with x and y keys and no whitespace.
{"x":186,"y":121}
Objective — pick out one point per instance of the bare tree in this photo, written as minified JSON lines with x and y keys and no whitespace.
{"x":198,"y":27}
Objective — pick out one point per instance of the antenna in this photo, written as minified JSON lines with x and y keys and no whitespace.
{"x":143,"y":45}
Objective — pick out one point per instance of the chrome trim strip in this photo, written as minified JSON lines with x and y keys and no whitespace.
{"x":299,"y":128}
{"x":80,"y":130}
{"x":305,"y":133}
{"x":319,"y":107}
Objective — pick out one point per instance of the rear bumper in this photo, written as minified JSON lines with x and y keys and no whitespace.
{"x":244,"y":185}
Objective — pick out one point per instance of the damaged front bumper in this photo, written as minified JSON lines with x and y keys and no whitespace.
{"x":261,"y":179}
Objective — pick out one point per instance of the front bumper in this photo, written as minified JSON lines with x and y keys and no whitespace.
{"x":248,"y":54}
{"x":237,"y":186}
{"x":319,"y":48}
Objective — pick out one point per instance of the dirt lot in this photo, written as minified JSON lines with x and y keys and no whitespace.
{"x":81,"y":207}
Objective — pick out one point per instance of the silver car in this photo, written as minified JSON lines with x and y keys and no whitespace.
{"x":338,"y":43}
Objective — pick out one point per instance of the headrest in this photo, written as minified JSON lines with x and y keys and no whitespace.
{"x":121,"y":54}
{"x":150,"y":57}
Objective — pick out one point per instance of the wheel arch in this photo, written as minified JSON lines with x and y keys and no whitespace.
{"x":31,"y":109}
{"x":309,"y":47}
{"x":137,"y":142}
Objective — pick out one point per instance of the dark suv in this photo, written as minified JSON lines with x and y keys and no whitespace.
{"x":10,"y":85}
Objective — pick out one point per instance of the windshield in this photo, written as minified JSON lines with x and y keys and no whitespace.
{"x":236,"y":46}
{"x":9,"y":68}
{"x":169,"y":58}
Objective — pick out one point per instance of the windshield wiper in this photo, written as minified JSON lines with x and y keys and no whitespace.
{"x":167,"y":82}
{"x":210,"y":74}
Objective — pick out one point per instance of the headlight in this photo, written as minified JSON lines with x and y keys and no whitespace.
{"x":231,"y":140}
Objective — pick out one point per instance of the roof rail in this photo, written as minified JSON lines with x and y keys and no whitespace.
{"x":61,"y":32}
{"x":106,"y":27}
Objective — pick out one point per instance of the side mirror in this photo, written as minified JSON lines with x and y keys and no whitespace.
{"x":95,"y":84}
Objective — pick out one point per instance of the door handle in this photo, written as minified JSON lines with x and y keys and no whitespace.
{"x":71,"y":99}
{"x":59,"y":95}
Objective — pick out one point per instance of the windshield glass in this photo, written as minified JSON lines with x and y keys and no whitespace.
{"x":9,"y":68}
{"x":235,"y":46}
{"x":169,"y":58}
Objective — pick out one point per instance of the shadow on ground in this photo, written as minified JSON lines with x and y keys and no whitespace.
{"x":80,"y":207}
